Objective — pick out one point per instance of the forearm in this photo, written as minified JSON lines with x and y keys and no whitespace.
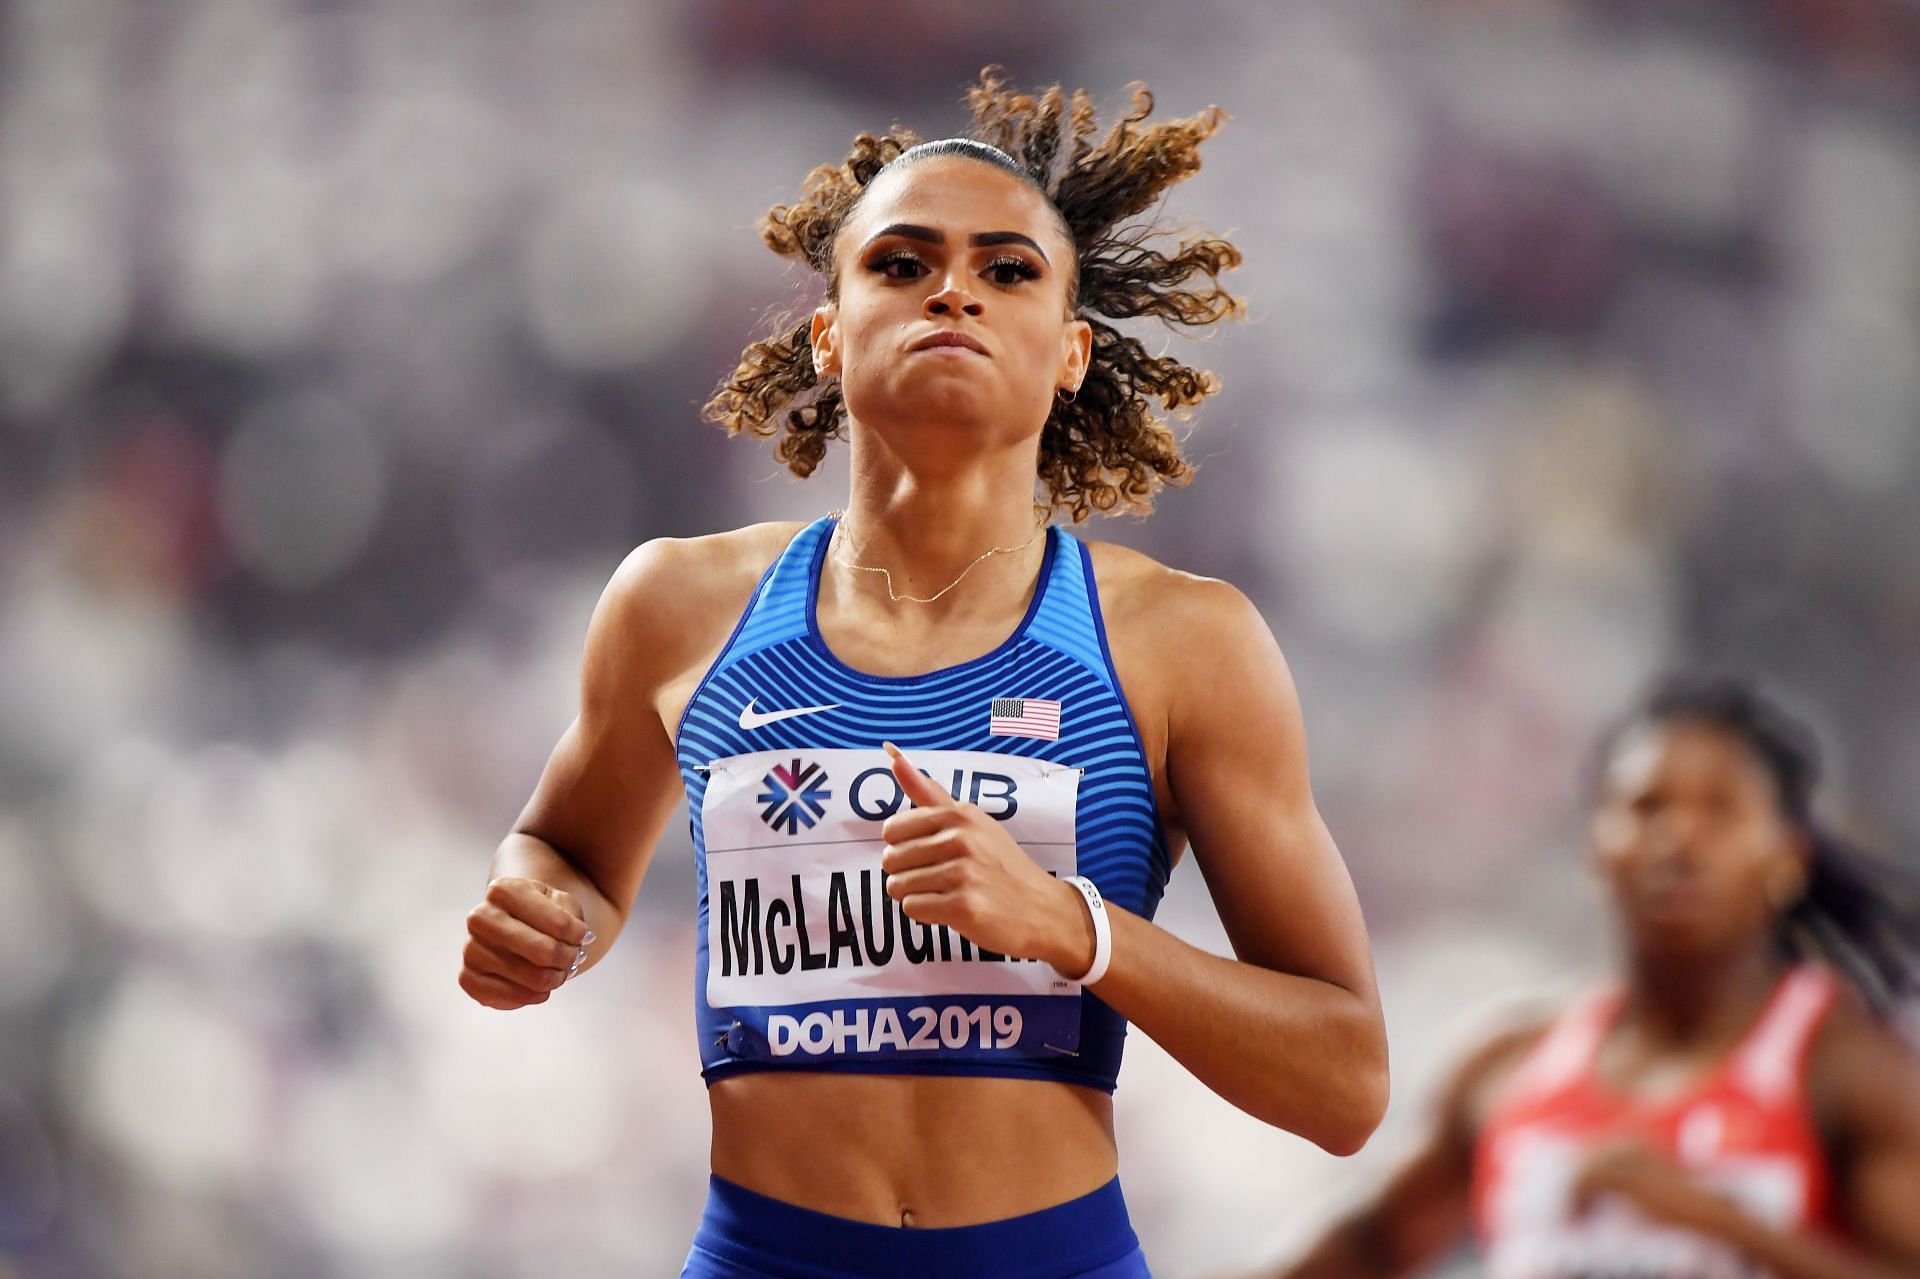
{"x":530,"y":857}
{"x":1348,"y":1251}
{"x":1794,"y":1255}
{"x":1301,"y":1054}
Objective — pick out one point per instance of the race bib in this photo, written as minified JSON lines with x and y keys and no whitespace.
{"x":814,"y":960}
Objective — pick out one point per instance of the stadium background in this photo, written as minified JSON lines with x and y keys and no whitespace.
{"x":346,"y":347}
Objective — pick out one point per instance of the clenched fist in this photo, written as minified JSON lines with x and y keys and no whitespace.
{"x":949,"y":863}
{"x":523,"y":940}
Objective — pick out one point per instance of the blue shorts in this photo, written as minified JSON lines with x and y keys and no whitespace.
{"x":744,"y":1235}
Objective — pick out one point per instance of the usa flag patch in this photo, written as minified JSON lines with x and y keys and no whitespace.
{"x":1025,"y":717}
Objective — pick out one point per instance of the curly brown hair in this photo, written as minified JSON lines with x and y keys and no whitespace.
{"x":1108,"y":448}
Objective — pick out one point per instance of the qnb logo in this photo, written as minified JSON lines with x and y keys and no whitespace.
{"x":795,"y":796}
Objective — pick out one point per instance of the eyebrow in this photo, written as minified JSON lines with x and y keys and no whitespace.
{"x":983,"y":239}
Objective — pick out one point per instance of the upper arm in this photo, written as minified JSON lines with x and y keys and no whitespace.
{"x":612,"y":782}
{"x":1871,"y":1078}
{"x":1237,"y":767}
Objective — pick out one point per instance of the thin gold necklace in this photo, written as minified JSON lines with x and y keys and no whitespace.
{"x":896,"y":598}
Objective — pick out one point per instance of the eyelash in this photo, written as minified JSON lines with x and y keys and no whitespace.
{"x":1025,"y":269}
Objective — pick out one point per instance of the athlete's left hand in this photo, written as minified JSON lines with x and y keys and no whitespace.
{"x":950,"y":863}
{"x":1654,"y":1184}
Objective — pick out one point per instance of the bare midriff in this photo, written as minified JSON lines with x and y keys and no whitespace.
{"x":924,"y":1151}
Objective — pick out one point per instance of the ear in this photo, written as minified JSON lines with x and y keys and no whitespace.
{"x":1076,"y":352}
{"x":1787,"y":874}
{"x":824,"y":335}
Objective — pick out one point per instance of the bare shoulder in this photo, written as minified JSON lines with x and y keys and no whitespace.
{"x":1483,"y":1072}
{"x":1181,"y":644}
{"x":673,"y":600}
{"x":1480,"y":1067}
{"x":679,"y":579}
{"x":1166,"y":610}
{"x":1130,"y":578}
{"x":1863,"y":1073}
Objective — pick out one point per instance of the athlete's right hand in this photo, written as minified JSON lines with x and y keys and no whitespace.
{"x":522,"y":941}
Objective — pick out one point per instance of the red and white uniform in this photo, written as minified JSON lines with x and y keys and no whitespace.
{"x":1745,"y":1129}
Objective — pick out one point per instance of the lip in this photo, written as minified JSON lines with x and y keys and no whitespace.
{"x":951,"y":341}
{"x":1670,"y":900}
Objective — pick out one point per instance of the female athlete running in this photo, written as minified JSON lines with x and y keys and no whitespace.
{"x":940,"y":756}
{"x":1742,"y":1103}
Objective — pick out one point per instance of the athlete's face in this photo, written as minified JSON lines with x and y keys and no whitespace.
{"x":1690,"y":836}
{"x":952,"y":247}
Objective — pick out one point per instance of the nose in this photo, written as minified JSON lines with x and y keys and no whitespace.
{"x":1674,"y":836}
{"x":954,"y":299}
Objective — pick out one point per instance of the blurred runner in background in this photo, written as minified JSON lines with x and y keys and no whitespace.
{"x":1745,"y":1100}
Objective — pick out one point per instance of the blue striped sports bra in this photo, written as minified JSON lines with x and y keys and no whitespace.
{"x":804,"y":962}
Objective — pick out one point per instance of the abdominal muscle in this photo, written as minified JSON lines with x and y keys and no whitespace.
{"x":925,"y":1150}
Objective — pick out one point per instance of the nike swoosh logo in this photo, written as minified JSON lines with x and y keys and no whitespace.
{"x":750,"y":718}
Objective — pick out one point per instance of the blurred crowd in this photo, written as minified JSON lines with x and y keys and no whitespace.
{"x":347,"y":345}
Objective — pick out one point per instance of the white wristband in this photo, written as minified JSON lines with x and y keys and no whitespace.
{"x":1102,"y":930}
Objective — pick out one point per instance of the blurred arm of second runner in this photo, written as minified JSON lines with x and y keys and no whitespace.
{"x":1423,"y":1211}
